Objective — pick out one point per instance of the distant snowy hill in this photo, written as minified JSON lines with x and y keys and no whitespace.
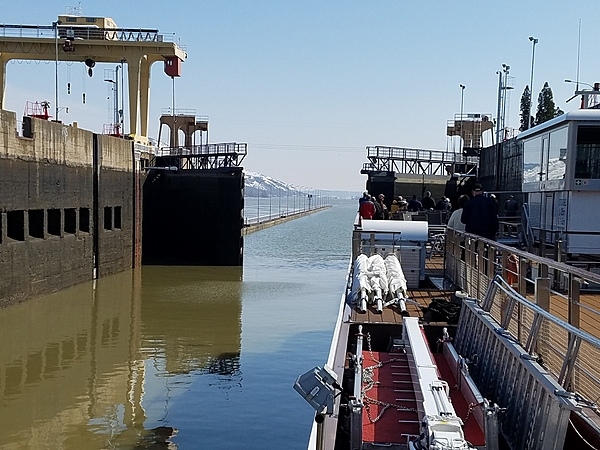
{"x":257,"y":185}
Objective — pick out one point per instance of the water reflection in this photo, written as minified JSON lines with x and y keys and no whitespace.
{"x":196,"y":312}
{"x":122,"y":365}
{"x":74,"y":365}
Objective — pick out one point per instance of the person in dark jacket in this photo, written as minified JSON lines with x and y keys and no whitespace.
{"x":428,"y":201}
{"x":511,"y":207}
{"x":378,"y":210}
{"x":385,"y":214}
{"x":443,"y":205}
{"x":480,"y":214}
{"x":365,"y":197}
{"x":414,"y":204}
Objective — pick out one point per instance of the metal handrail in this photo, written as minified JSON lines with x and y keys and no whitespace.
{"x":409,"y":160}
{"x":80,"y":31}
{"x":502,"y":284}
{"x":542,"y":303}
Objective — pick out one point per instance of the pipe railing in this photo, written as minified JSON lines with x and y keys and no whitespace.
{"x":552,"y":309}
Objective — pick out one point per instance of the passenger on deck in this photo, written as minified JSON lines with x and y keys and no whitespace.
{"x":480,"y":214}
{"x":402,"y":204}
{"x":367,"y":209}
{"x":364,"y":198}
{"x":428,"y":201}
{"x":378,"y":211}
{"x":414,"y":204}
{"x":385,"y":214}
{"x":454,"y":221}
{"x":398,"y":205}
{"x":443,"y":205}
{"x":511,"y":207}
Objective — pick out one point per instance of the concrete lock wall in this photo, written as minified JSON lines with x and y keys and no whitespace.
{"x":66,"y":207}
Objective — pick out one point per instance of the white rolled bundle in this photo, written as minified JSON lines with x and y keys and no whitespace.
{"x":361,"y":286}
{"x":396,"y":279}
{"x":378,"y":279}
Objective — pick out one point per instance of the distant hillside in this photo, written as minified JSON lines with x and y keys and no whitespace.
{"x":258,"y":185}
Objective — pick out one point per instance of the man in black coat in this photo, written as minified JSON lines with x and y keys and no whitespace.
{"x":428,"y":202}
{"x":480,"y":214}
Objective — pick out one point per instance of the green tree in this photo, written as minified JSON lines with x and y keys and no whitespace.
{"x":525,"y":109}
{"x":546,"y":108}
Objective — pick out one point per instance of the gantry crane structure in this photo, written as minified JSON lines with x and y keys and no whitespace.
{"x":72,"y":42}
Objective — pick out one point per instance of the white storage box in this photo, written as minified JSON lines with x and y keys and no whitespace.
{"x":406,"y":239}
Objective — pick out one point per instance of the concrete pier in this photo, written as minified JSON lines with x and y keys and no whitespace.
{"x":251,"y":228}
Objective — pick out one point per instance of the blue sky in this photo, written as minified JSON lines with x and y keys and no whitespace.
{"x":309,"y":84}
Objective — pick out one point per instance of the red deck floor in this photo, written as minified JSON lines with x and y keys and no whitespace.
{"x":471,"y":428}
{"x":400,"y":420}
{"x":394,"y":388}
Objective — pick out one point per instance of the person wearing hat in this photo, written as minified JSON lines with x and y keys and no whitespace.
{"x":480,"y":214}
{"x":380,"y":206}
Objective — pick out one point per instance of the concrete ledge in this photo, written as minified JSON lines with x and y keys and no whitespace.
{"x":247,"y":229}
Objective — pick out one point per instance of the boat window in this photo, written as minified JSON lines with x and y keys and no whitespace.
{"x":532,"y":149}
{"x":587,"y":164}
{"x":557,"y":155}
{"x":117,"y":221}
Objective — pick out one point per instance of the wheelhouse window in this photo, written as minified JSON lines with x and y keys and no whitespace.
{"x":557,"y":155}
{"x":532,"y":149}
{"x":587,"y":163}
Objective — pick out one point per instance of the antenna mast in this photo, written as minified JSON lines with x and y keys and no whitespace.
{"x":578,"y":56}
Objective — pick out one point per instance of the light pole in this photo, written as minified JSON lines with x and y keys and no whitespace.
{"x":505,"y":87}
{"x":115,"y":89}
{"x":502,"y":88}
{"x":462,"y":97}
{"x":534,"y":41}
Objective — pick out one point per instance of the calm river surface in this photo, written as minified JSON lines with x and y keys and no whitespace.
{"x":212,"y":352}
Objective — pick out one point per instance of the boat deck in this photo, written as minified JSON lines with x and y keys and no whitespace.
{"x":421,"y":297}
{"x":391,"y":416}
{"x":395,"y":374}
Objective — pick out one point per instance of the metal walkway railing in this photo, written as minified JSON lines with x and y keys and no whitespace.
{"x":538,"y":318}
{"x":537,"y":409}
{"x":82,"y":32}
